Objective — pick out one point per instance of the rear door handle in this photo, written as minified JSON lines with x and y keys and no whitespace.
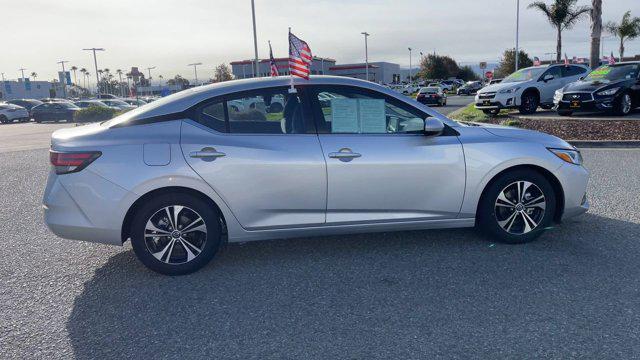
{"x":206,"y":153}
{"x":344,"y":153}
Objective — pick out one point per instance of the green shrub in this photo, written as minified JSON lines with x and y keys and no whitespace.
{"x":94,"y":113}
{"x":511,"y":122}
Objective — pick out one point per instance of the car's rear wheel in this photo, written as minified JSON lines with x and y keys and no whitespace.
{"x":623,"y":105}
{"x":3,"y":119}
{"x":517,"y":207}
{"x":529,"y":103}
{"x":175,"y":234}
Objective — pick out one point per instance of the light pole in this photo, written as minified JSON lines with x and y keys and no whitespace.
{"x":149,"y":71}
{"x":3,"y":86}
{"x":23,"y":82}
{"x":64,"y":78}
{"x":95,"y":63}
{"x":410,"y":77}
{"x":255,"y":38}
{"x":366,"y":54}
{"x":195,"y":71}
{"x":517,"y":34}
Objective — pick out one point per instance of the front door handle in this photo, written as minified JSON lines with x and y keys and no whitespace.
{"x":345,"y":154}
{"x":206,"y":153}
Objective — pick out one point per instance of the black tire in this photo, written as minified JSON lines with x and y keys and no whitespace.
{"x":491,"y":112}
{"x":619,"y":106}
{"x":529,"y":103}
{"x":565,"y":112}
{"x":489,"y":213}
{"x":3,"y":119}
{"x":210,"y":241}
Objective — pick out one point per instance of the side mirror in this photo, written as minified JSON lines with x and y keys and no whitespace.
{"x":548,"y":77}
{"x":433,"y":127}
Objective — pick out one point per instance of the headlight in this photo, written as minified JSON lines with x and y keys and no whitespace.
{"x":558,"y":95}
{"x":570,"y":156}
{"x":509,"y":91}
{"x":608,"y":92}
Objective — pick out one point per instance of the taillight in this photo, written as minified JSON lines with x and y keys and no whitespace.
{"x":69,"y":162}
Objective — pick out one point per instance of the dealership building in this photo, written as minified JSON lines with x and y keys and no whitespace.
{"x":380,"y":72}
{"x":20,"y":89}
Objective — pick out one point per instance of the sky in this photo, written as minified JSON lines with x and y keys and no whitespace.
{"x":169,"y":34}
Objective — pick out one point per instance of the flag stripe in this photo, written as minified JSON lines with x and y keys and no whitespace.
{"x":300,"y":57}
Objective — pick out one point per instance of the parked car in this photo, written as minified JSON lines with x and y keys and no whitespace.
{"x":610,"y":88}
{"x":162,"y":185}
{"x":135,"y":102}
{"x":446,"y":85}
{"x":57,"y":100}
{"x":470,"y":88}
{"x":25,"y":103}
{"x":410,"y":89}
{"x":10,"y":112}
{"x":117,"y":104}
{"x":528,"y":88}
{"x":432,"y":95}
{"x":107,"y":96}
{"x":54,"y":111}
{"x":83,"y":104}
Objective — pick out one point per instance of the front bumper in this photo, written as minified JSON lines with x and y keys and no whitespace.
{"x":597,"y":104}
{"x":574,"y":180}
{"x":496,"y":101}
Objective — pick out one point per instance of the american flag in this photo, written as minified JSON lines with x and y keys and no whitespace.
{"x":566,"y":60}
{"x":299,"y":57}
{"x":612,"y":59}
{"x":272,"y":61}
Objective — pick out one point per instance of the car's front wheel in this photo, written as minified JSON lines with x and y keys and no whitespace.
{"x":623,"y":105}
{"x":176,"y":234}
{"x":529,"y":103}
{"x":517,"y":207}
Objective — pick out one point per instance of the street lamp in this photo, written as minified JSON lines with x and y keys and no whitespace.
{"x":64,"y":76}
{"x":23,"y":78}
{"x":410,"y":77}
{"x":255,"y":38}
{"x":366,"y":54}
{"x":517,"y":33}
{"x":95,"y":62}
{"x":195,"y":71}
{"x":149,"y":71}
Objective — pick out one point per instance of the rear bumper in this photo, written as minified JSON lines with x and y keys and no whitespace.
{"x":74,"y":214}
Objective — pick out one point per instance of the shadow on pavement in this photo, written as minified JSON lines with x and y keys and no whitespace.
{"x":391,"y":295}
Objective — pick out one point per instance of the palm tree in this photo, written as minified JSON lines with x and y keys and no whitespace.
{"x":83,"y":71}
{"x":627,"y":29}
{"x":75,"y":78}
{"x":596,"y":33}
{"x":34,"y":75}
{"x":562,"y":15}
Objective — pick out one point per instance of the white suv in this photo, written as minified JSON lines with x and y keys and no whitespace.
{"x":528,"y":88}
{"x":10,"y":112}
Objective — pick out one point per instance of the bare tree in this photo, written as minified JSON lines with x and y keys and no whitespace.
{"x":562,"y":14}
{"x":596,"y":33}
{"x":627,"y":29}
{"x":222,"y":73}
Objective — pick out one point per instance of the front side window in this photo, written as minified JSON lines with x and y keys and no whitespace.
{"x":555,"y":71}
{"x":350,"y":110}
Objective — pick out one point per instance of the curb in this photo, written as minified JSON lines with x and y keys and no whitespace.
{"x":619,"y":144}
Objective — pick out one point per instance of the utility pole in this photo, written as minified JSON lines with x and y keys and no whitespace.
{"x":64,"y":79}
{"x":149,"y":71}
{"x":366,"y":54}
{"x":95,"y":62}
{"x":410,"y":77}
{"x":23,"y":82}
{"x":255,"y":38}
{"x":517,"y":34}
{"x":195,"y":71}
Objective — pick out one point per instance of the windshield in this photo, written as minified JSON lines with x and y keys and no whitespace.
{"x":524,"y":74}
{"x":608,"y":73}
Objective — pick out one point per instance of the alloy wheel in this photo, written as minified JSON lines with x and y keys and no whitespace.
{"x":520,"y":207}
{"x":626,"y":104}
{"x":175,"y":234}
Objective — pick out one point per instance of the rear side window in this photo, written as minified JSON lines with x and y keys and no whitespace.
{"x":264,"y":111}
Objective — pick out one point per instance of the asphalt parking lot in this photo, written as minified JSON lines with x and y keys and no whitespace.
{"x":420,"y":294}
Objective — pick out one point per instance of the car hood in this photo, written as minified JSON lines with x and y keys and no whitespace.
{"x":526,"y":135}
{"x":503,"y":86}
{"x":591,"y":86}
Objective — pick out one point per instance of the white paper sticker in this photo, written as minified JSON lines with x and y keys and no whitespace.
{"x":344,"y":116}
{"x":372,"y":116}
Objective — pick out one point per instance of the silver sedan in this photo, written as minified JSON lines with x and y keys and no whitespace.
{"x":332,"y":155}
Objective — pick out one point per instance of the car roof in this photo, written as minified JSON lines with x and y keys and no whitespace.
{"x":185,"y":99}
